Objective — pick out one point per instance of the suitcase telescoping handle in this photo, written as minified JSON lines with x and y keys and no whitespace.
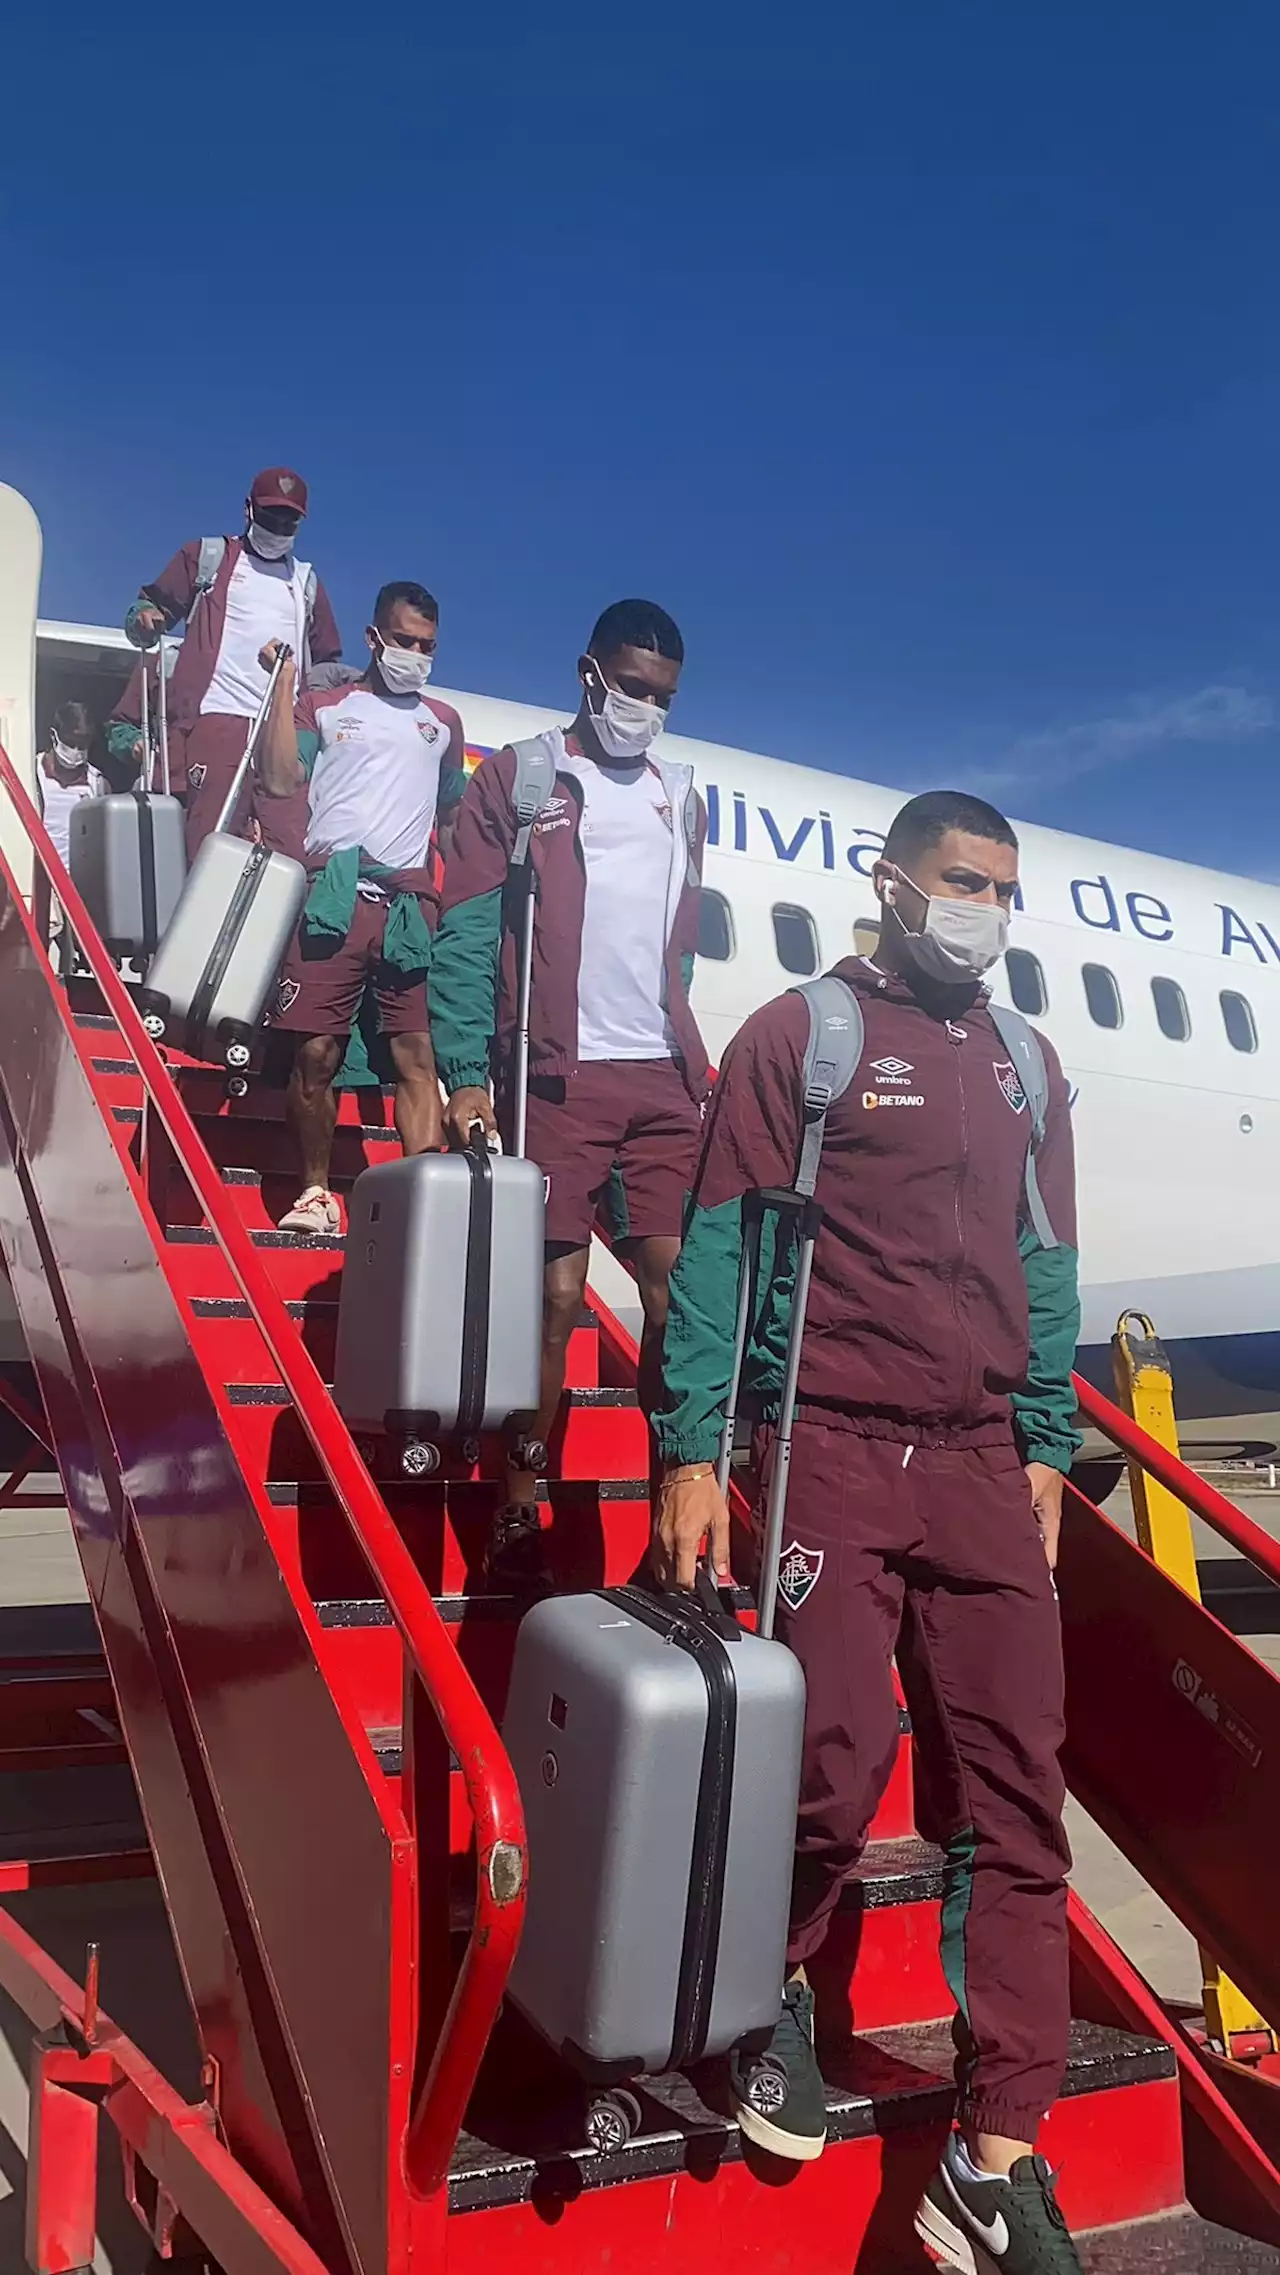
{"x":144,"y":714}
{"x":808,"y":1220}
{"x":524,"y":994}
{"x":260,"y":717}
{"x":162,"y":712}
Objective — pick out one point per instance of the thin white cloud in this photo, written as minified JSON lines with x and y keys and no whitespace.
{"x":1217,"y":714}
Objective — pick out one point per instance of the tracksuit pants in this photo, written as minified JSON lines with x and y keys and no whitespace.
{"x":932,"y":1552}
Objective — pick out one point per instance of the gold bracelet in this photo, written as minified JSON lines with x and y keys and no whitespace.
{"x":691,"y":1473}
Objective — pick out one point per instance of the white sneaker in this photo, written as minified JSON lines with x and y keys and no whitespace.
{"x":316,"y":1210}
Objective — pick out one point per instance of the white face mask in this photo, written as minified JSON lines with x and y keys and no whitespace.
{"x":405,"y":671}
{"x":268,"y":544}
{"x":960,"y":941}
{"x":624,"y":726}
{"x":67,"y":757}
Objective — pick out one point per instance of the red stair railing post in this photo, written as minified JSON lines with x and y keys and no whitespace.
{"x":1202,"y":1499}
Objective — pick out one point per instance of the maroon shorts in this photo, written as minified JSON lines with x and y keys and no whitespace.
{"x":321,"y":986}
{"x":619,"y":1140}
{"x":211,"y":751}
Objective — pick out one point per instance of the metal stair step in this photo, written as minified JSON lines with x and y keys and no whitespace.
{"x":891,"y":2082}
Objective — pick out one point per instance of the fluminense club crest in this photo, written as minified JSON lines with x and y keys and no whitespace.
{"x":799,"y":1571}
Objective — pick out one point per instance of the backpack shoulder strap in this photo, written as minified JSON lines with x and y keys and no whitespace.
{"x":691,"y":877}
{"x":1023,"y":1045}
{"x":831,"y":1058}
{"x":213,"y":552}
{"x":534,"y":782}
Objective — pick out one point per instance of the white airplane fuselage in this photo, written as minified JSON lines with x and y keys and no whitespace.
{"x":1176,"y":1133}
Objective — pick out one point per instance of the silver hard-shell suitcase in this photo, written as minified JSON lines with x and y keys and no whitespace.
{"x":128,"y":861}
{"x":127,"y":854}
{"x":657,"y":1748}
{"x":209,"y":980}
{"x":440,"y":1316}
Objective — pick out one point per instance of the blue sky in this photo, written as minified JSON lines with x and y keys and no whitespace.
{"x":923,"y":358}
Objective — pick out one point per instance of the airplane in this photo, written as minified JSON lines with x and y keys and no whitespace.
{"x":1158,"y":981}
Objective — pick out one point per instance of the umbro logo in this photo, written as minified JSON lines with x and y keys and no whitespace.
{"x":892,"y":1069}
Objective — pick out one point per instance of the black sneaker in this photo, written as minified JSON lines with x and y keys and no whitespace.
{"x":778,"y":2095}
{"x":995,"y":2227}
{"x":515,"y":1564}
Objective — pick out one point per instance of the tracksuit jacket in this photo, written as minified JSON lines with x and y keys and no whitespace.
{"x":174,"y":591}
{"x":473,"y":984}
{"x":934,"y":1312}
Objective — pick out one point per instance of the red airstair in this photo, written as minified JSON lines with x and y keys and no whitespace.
{"x":304,"y":1671}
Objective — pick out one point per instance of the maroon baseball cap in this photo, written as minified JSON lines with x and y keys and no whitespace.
{"x":279,"y":486}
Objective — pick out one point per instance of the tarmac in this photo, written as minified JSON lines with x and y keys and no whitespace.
{"x":141,"y":1988}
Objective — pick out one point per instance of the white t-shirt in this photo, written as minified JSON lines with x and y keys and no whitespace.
{"x":57,"y":801}
{"x":260,"y":607}
{"x":376,"y":776}
{"x":626,"y":837}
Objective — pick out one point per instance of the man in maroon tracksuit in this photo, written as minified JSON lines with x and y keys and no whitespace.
{"x":933,"y":1430}
{"x":238,"y":595}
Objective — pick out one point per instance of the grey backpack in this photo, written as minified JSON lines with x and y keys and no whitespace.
{"x":832,"y":1055}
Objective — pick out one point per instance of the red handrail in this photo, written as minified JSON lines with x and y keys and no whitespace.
{"x":441,"y":2100}
{"x":1203,"y":1500}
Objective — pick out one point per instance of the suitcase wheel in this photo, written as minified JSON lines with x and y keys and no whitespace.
{"x":613,"y":2119}
{"x":154,"y":1024}
{"x":470,"y":1451}
{"x":237,"y":1086}
{"x":529,"y":1453}
{"x":418,"y":1459}
{"x":237,"y":1054}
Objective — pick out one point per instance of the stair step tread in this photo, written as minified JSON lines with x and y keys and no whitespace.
{"x":880,"y":2083}
{"x":275,"y":1394}
{"x":199,"y":1236}
{"x":316,"y":1493}
{"x":1178,"y":2243}
{"x":235,"y":1307}
{"x":371,"y":1611}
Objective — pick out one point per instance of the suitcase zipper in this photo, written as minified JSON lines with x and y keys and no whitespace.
{"x":147,"y":873}
{"x":689,"y":1629}
{"x":474,"y":1367}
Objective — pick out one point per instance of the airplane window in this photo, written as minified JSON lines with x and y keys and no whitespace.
{"x":1026,"y":982}
{"x":715,"y":927}
{"x":1238,"y":1019}
{"x":1102,"y":996}
{"x":1171,"y":1010}
{"x":796,"y":939}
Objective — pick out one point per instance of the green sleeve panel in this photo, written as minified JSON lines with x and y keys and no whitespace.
{"x":686,"y":971}
{"x":1044,"y":1408}
{"x":701,"y":1322}
{"x":453,"y":781}
{"x":308,"y":750}
{"x":698,"y":1348}
{"x":121,"y":737}
{"x":463,"y":989}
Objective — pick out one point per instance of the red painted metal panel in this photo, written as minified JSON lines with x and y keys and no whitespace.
{"x":1173,"y":1744}
{"x":1119,"y":2154}
{"x":188,"y":1600}
{"x":879,"y":1968}
{"x":1230,"y":2179}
